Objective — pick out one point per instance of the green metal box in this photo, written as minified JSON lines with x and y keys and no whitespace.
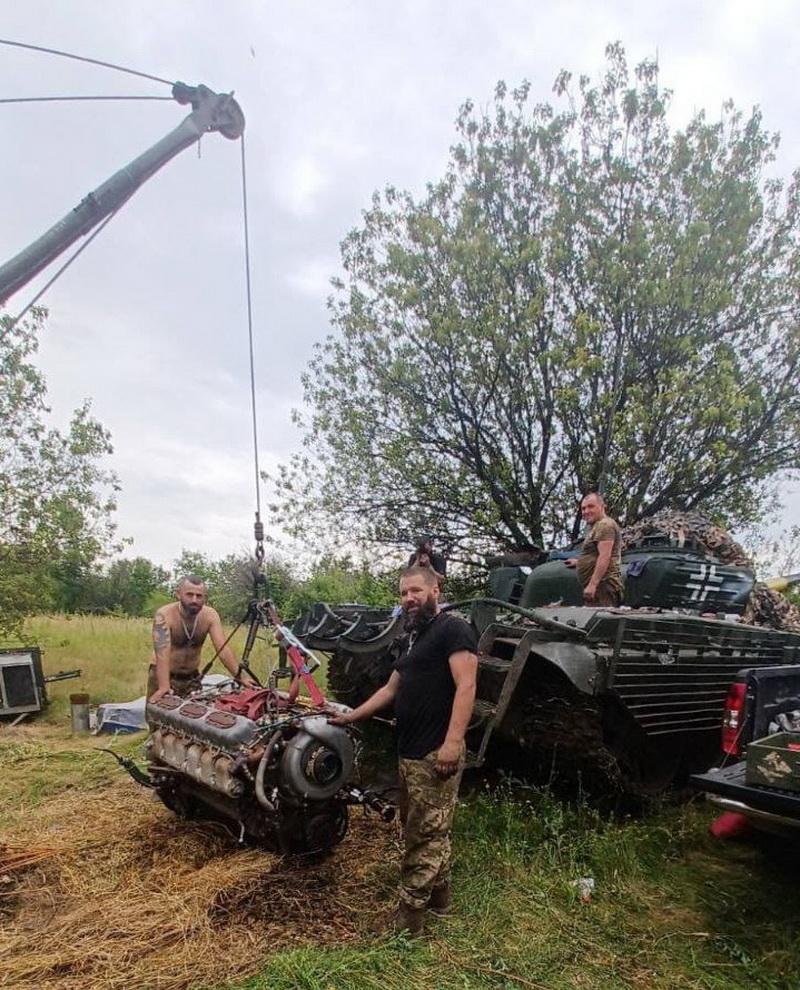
{"x":775,"y":762}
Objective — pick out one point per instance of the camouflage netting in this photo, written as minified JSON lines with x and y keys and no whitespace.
{"x":689,"y":527}
{"x":765,"y":608}
{"x":770,"y":608}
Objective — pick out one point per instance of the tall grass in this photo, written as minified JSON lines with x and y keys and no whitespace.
{"x":673,"y":909}
{"x":112,"y":653}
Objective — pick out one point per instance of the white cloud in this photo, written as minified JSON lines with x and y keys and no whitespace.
{"x":340,"y":99}
{"x":313,"y":278}
{"x":303,"y":182}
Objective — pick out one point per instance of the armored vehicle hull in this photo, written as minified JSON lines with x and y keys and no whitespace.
{"x":628,"y":698}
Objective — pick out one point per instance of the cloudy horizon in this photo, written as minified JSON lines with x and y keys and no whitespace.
{"x":340,"y":99}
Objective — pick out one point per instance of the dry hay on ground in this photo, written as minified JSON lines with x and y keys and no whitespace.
{"x":15,"y":858}
{"x":131,"y":897}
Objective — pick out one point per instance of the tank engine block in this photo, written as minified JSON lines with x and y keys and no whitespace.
{"x":281,"y":772}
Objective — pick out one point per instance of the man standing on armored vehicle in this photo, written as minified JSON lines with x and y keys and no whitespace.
{"x":599,"y":563}
{"x":424,"y":556}
{"x":432,"y":686}
{"x":179,"y":631}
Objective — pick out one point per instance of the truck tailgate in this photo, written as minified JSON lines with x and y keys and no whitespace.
{"x":729,"y":782}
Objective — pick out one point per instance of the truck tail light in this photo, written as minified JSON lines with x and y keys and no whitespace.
{"x":733,"y":719}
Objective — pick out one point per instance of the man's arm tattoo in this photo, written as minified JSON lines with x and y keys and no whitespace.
{"x":161,"y":636}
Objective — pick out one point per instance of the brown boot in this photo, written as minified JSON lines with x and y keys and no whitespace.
{"x":408,"y":920}
{"x":440,"y":898}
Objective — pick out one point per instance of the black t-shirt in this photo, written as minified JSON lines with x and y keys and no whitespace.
{"x":438,"y":562}
{"x":424,"y":701}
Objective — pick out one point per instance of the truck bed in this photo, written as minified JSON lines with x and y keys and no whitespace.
{"x":728,"y":782}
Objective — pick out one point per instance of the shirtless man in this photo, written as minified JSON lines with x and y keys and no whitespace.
{"x":179,"y":631}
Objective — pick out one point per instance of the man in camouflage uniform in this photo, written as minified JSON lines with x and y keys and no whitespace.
{"x":599,"y":564}
{"x":432,"y":687}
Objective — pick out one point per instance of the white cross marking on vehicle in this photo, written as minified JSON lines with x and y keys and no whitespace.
{"x":708,"y":580}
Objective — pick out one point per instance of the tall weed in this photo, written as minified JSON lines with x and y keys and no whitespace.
{"x":113,"y":654}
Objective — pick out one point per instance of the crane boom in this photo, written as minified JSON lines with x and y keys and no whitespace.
{"x":210,"y":112}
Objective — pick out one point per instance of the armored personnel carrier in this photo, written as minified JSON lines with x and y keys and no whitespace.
{"x":626,"y":698}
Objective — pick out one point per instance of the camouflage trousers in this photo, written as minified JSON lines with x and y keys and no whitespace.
{"x":609,"y":593}
{"x":427,"y":806}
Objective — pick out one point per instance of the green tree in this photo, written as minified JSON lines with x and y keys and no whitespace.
{"x":197,"y":563}
{"x":56,"y":496}
{"x":137,"y":580}
{"x":774,"y":555}
{"x":586,"y":295}
{"x":338,"y":581}
{"x":231,"y":579}
{"x":125,"y":586}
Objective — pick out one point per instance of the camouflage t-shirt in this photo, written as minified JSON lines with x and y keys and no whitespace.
{"x":604,"y":529}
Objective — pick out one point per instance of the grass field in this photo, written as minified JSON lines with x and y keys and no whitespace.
{"x":673,"y":908}
{"x":112,"y":653}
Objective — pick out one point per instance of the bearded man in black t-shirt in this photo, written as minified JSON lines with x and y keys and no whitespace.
{"x":432,"y":686}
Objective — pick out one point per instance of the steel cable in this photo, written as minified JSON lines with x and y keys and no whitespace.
{"x":67,"y":99}
{"x":65,"y":266}
{"x":83,"y":58}
{"x":250,"y":334}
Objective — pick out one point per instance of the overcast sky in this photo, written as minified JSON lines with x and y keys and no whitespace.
{"x":340,"y":99}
